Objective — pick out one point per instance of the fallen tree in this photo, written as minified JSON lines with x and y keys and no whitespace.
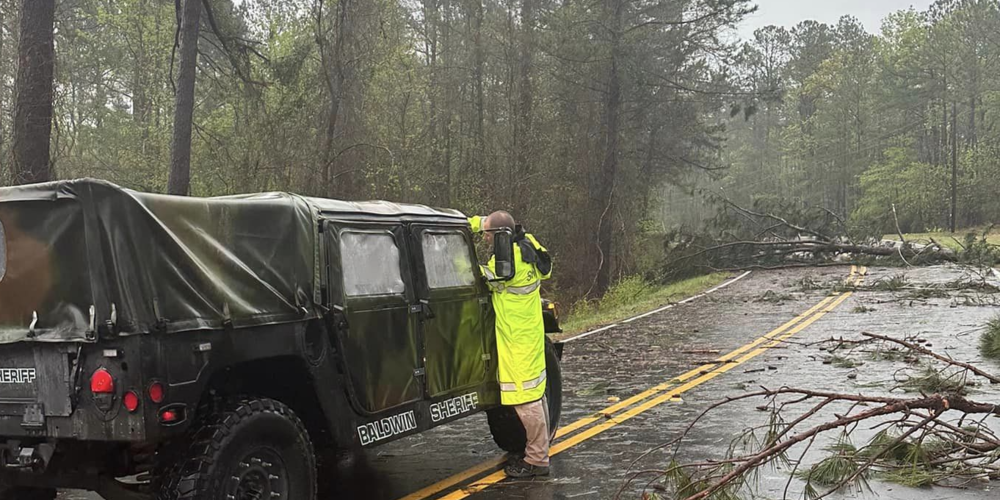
{"x":780,"y":235}
{"x":938,"y":438}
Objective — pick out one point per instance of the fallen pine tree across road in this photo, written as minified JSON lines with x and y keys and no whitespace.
{"x":774,"y":236}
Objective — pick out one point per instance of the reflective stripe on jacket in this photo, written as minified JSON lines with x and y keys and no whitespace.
{"x":520,"y":328}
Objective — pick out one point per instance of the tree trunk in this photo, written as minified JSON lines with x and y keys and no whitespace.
{"x":448,"y":85}
{"x":336,"y":183}
{"x":431,"y":21}
{"x":954,"y":165}
{"x":140,"y":79}
{"x":180,"y":146}
{"x":973,"y":138}
{"x":944,"y":131}
{"x":523,"y":133}
{"x":480,"y":56}
{"x":33,"y":91}
{"x":605,"y":209}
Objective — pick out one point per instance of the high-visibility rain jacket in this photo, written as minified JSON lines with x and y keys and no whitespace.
{"x":520,"y":327}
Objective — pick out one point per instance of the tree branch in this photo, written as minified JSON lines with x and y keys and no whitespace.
{"x":928,"y":352}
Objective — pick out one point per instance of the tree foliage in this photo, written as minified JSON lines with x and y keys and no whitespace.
{"x":569,"y":114}
{"x":860,"y":122}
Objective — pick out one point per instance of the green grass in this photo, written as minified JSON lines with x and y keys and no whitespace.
{"x":633,"y":296}
{"x":947,"y":239}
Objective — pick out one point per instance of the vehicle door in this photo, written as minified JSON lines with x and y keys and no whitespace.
{"x":371,"y":290}
{"x":455,"y":303}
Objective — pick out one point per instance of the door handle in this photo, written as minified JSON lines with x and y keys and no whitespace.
{"x":339,"y":318}
{"x":425,"y":309}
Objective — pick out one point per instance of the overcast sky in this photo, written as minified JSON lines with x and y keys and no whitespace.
{"x":788,"y":13}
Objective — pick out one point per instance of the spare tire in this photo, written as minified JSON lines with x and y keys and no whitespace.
{"x":506,"y":427}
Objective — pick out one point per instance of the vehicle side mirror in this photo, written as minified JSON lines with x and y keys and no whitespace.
{"x":503,"y":254}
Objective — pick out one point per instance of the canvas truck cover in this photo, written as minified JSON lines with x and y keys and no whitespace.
{"x":85,"y":256}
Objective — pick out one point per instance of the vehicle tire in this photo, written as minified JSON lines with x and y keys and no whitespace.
{"x":251,"y":448}
{"x":506,"y":427}
{"x":21,"y":493}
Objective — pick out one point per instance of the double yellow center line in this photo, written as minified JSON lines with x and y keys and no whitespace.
{"x":644,"y":401}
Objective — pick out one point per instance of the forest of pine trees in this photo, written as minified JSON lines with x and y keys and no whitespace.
{"x":576,"y":115}
{"x":857,"y":122}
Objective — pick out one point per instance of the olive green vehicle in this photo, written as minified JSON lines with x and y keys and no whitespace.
{"x":227,"y":348}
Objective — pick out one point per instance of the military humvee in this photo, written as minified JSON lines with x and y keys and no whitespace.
{"x":170,"y":347}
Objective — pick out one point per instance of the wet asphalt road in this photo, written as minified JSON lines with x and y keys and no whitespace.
{"x":617,"y":364}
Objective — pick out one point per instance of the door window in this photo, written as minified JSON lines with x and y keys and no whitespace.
{"x":447,"y":260}
{"x":371,"y":264}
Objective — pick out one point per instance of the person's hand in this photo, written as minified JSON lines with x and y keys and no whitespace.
{"x":477,"y":223}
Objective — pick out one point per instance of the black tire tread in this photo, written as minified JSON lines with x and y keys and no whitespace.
{"x":190,"y":477}
{"x":506,"y":428}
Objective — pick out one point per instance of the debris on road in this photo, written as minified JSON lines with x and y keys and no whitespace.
{"x":940,"y":437}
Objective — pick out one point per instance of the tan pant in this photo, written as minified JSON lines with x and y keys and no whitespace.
{"x":535,"y":418}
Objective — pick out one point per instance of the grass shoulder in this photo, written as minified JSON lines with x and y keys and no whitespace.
{"x":633,"y":296}
{"x":948,"y":239}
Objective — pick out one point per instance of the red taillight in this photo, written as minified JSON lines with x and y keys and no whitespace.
{"x":131,"y":401}
{"x":101,"y":382}
{"x":156,"y":392}
{"x":168,"y":416}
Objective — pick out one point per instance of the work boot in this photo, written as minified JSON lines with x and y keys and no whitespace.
{"x":523,"y":469}
{"x":513,"y":459}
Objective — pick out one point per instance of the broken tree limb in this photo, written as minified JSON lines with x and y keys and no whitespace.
{"x":777,"y":236}
{"x":928,"y":352}
{"x":782,"y":221}
{"x":899,"y":231}
{"x":780,"y":248}
{"x":937,"y":403}
{"x":871,"y":461}
{"x":962,"y":449}
{"x":902,"y":239}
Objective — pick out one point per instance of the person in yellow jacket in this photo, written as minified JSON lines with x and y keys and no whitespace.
{"x":520,"y":331}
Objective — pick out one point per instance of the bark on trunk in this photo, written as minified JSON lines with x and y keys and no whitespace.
{"x":954,"y":166}
{"x":336,"y":183}
{"x":973,"y":139}
{"x":140,"y":80}
{"x":605,"y":208}
{"x":480,"y":56}
{"x":180,"y":146}
{"x":33,"y":91}
{"x":523,"y":131}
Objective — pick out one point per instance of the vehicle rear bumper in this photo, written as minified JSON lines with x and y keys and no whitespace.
{"x":80,"y":426}
{"x":53,"y":428}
